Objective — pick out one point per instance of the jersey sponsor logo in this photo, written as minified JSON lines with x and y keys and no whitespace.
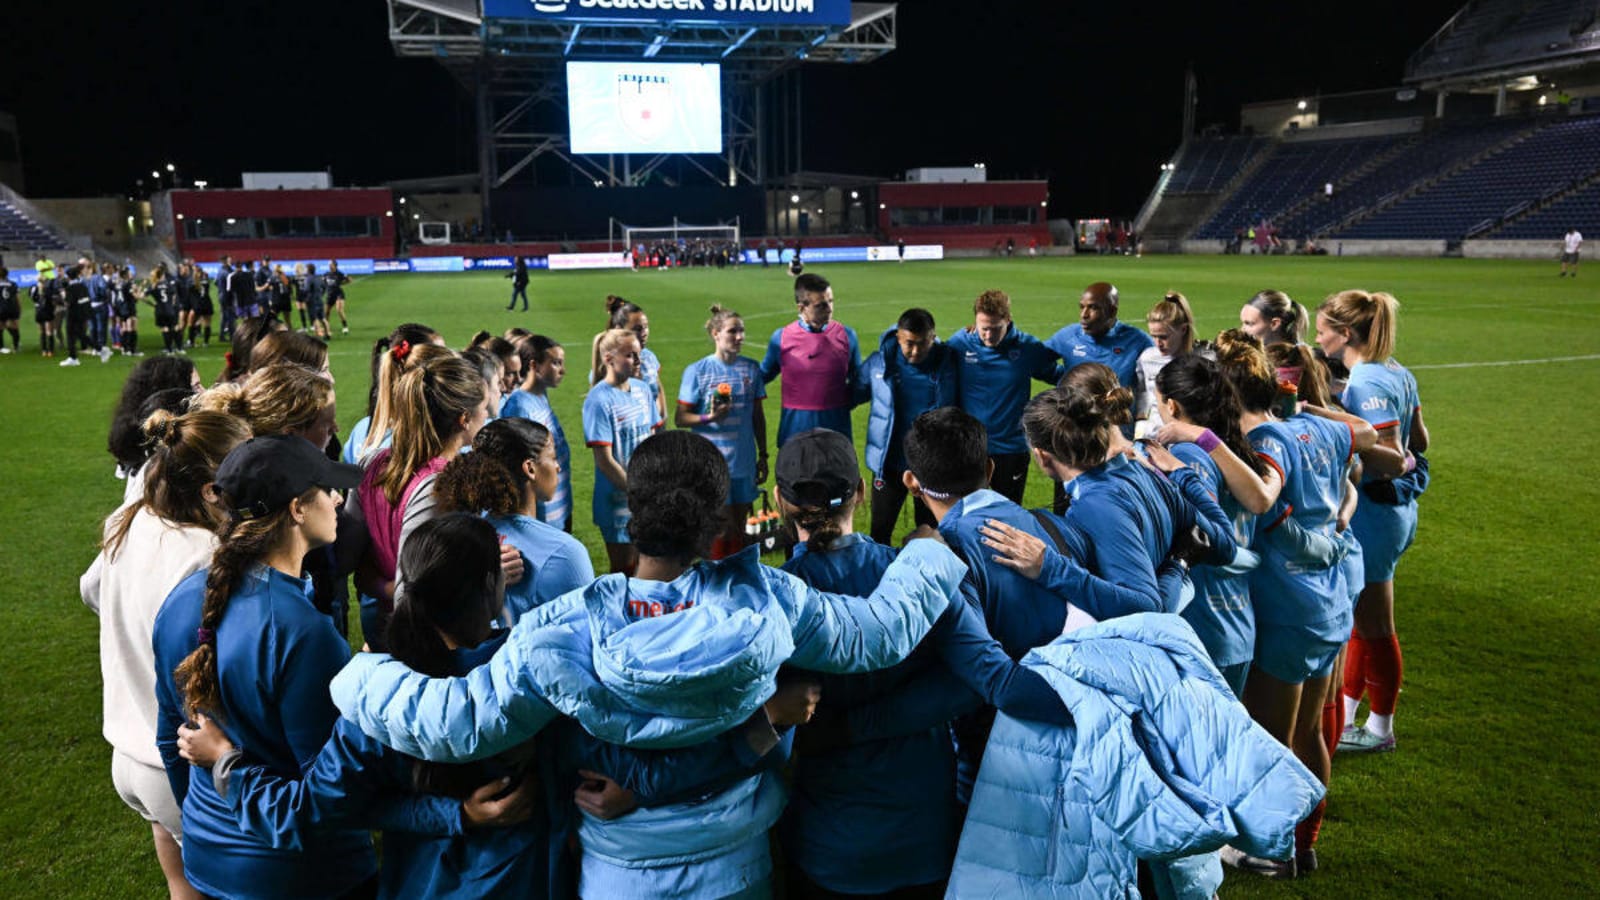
{"x":650,"y":609}
{"x":1372,"y":404}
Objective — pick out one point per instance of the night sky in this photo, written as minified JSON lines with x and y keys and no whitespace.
{"x":1089,"y":95}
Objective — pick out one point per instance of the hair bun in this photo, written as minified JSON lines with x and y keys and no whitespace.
{"x":162,"y":426}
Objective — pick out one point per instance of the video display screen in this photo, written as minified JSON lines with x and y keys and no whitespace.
{"x":644,"y":107}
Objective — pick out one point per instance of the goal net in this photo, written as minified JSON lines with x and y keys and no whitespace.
{"x":677,"y":234}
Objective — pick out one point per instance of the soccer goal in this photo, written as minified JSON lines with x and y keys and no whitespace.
{"x":631,"y":236}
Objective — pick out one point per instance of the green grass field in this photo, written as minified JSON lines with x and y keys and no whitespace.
{"x":1493,"y":791}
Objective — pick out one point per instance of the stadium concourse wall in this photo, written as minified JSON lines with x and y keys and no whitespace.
{"x":1338,"y":247}
{"x":1492,"y":249}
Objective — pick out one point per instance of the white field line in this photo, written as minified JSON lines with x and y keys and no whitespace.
{"x":1509,"y":362}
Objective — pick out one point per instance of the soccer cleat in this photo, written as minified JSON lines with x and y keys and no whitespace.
{"x":5,"y":351}
{"x":347,"y":329}
{"x":1364,"y":741}
{"x":1305,"y":861}
{"x":105,"y":354}
{"x":69,"y":361}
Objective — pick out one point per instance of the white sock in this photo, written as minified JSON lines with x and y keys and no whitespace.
{"x":1382,"y":726}
{"x":1351,"y":704}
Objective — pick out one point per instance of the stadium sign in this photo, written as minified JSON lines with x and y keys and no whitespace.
{"x":745,"y":12}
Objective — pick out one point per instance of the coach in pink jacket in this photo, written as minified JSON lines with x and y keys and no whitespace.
{"x":817,"y":358}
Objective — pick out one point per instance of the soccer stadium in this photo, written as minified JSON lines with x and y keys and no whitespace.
{"x":650,"y":493}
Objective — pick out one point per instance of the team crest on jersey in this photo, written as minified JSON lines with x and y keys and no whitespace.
{"x":1304,"y":438}
{"x":1116,"y":351}
{"x":646,"y":103}
{"x":1014,"y":355}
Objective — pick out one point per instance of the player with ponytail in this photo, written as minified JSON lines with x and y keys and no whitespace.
{"x":152,"y":544}
{"x":241,"y":643}
{"x":512,"y":469}
{"x":435,"y":408}
{"x":1358,"y":329}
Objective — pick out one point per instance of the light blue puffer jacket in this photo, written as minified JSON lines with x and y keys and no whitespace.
{"x":694,"y":667}
{"x":1161,"y":764}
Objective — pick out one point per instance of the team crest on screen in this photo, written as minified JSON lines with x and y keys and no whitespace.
{"x":646,"y":104}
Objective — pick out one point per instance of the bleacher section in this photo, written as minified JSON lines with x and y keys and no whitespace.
{"x":1548,"y":160}
{"x":1208,"y":164}
{"x":18,"y":232}
{"x":1580,"y":210}
{"x":1434,"y":154}
{"x":1496,"y":33}
{"x":1295,"y":170}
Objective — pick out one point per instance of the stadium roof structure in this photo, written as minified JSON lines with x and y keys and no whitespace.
{"x":1494,"y":45}
{"x":513,"y":63}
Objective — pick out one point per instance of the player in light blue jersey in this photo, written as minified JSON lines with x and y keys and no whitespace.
{"x":1302,"y":608}
{"x":511,"y":467}
{"x":1358,"y":328}
{"x":630,"y":317}
{"x":618,"y":414}
{"x":546,"y":369}
{"x":721,"y":399}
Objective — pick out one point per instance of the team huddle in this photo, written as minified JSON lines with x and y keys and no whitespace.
{"x":1114,"y":695}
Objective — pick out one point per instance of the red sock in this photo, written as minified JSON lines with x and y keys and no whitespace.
{"x":1384,"y":669}
{"x":1305,"y":834}
{"x":1332,"y":724}
{"x":1355,"y":667}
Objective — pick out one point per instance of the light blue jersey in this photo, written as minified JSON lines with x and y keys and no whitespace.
{"x":1221,"y":613}
{"x":650,"y":373}
{"x":735,"y":435}
{"x":557,"y":510}
{"x":1311,"y":454}
{"x":1385,"y":395}
{"x":619,"y":419}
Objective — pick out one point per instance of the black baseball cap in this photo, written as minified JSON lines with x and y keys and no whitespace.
{"x":261,"y":475}
{"x":818,"y":468}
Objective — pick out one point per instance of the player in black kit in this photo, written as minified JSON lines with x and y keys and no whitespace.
{"x":10,"y":312}
{"x":163,"y":296}
{"x":333,"y":282}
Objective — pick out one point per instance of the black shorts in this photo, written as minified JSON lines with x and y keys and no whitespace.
{"x":124,"y":310}
{"x":202,"y":307}
{"x":10,"y":310}
{"x":315,"y":311}
{"x":335,"y":295}
{"x":45,"y":313}
{"x":1569,"y":258}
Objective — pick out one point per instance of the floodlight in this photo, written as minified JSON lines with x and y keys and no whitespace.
{"x":171,"y":167}
{"x":1301,"y":106}
{"x":794,"y":198}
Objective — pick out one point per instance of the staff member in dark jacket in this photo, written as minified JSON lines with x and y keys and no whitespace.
{"x":519,"y":284}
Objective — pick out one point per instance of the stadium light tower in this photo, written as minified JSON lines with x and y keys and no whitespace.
{"x":1301,"y":106}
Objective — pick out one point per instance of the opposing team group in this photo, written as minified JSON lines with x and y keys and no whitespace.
{"x":1040,"y":703}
